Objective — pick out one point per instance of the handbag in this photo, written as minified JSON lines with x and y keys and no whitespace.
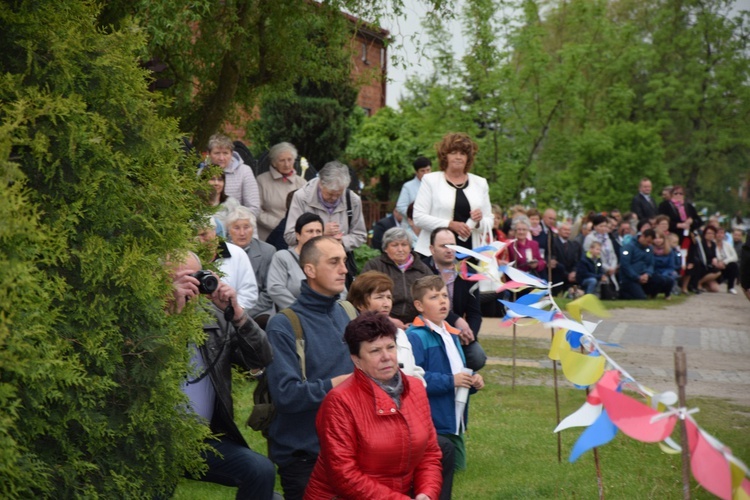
{"x":607,"y":290}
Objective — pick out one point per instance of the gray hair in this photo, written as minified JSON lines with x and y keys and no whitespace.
{"x":241,"y":213}
{"x":282,"y":147}
{"x":395,"y":234}
{"x":520,"y":219}
{"x":334,"y":175}
{"x":220,"y":141}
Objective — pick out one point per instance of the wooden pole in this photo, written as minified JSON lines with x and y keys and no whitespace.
{"x":597,"y":467}
{"x":680,"y":375}
{"x":552,"y":338}
{"x":513,"y":376}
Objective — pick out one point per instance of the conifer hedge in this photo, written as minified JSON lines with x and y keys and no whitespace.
{"x":92,"y":198}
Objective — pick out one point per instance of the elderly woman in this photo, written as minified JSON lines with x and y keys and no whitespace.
{"x":453,"y":197}
{"x":240,"y":180}
{"x":373,"y":439}
{"x":285,"y":274}
{"x":328,"y":197}
{"x":275,"y":185}
{"x":524,"y":250}
{"x":241,"y":228}
{"x":404,"y":267}
{"x":372,"y":291}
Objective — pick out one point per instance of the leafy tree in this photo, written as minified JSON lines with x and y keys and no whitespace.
{"x":544,"y":81}
{"x":317,"y":119}
{"x":222,"y":57}
{"x":390,"y":143}
{"x":92,"y":202}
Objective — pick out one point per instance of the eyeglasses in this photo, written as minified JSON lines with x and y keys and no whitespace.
{"x":678,"y":192}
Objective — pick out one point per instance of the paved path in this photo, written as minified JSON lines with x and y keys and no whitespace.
{"x":713,"y":328}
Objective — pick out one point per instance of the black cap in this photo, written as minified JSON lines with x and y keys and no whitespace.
{"x":422,"y":162}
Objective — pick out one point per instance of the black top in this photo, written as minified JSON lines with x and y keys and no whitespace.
{"x":461,"y":209}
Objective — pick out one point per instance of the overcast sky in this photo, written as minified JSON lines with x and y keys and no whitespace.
{"x":404,"y":28}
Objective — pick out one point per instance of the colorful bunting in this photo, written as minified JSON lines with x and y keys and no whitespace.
{"x":602,"y":431}
{"x":584,"y":361}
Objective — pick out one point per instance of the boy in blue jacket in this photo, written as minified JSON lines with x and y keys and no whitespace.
{"x":437,"y":349}
{"x":589,"y":271}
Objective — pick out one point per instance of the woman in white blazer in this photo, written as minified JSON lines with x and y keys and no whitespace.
{"x":453,"y":197}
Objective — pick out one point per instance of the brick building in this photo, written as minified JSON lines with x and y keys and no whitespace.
{"x":369,"y":67}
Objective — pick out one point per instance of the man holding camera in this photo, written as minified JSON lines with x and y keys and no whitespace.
{"x":231,"y":336}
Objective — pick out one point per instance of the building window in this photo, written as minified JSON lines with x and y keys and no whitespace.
{"x":368,"y":111}
{"x":364,"y":53}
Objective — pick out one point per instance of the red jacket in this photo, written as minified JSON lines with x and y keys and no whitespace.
{"x":369,"y":448}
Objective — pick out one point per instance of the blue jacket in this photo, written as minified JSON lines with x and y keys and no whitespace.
{"x":589,"y":268}
{"x":430,"y":354}
{"x":635,"y":259}
{"x":297,"y":401}
{"x":668,"y":264}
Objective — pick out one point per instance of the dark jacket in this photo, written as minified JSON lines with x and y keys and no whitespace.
{"x":246,"y":346}
{"x":635,"y":260}
{"x":567,"y":255}
{"x":645,"y":209}
{"x":465,"y":303}
{"x":403,"y":304}
{"x":667,"y":208}
{"x":379,"y":229}
{"x":745,"y":265}
{"x":323,"y":320}
{"x":588,"y":267}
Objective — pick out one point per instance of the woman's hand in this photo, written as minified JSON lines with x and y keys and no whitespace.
{"x":476,"y":214}
{"x":333,"y":229}
{"x":460,"y":228}
{"x":422,"y":496}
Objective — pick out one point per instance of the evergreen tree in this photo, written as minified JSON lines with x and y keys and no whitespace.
{"x":92,"y":202}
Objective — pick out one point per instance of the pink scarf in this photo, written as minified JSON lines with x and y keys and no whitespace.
{"x":681,"y":209}
{"x":406,"y":265}
{"x":536,"y":230}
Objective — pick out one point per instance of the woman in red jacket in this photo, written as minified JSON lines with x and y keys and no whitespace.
{"x":376,"y":434}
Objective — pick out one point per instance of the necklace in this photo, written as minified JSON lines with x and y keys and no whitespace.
{"x":456,"y":185}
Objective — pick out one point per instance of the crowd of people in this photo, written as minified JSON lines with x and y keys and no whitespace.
{"x":383,"y":413}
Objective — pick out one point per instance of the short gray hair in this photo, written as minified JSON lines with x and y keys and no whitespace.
{"x":241,"y":213}
{"x":334,"y":175}
{"x":520,"y":219}
{"x":220,"y":141}
{"x":395,"y":234}
{"x":282,"y":147}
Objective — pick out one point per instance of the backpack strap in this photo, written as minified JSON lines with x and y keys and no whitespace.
{"x":299,"y":336}
{"x":351,"y":311}
{"x":349,"y":209}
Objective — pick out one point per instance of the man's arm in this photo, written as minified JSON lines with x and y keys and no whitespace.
{"x":290,"y":393}
{"x":251,"y":348}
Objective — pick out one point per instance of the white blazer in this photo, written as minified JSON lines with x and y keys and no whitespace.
{"x":434,"y":205}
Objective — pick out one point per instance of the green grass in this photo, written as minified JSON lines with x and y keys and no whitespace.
{"x":512,"y":452}
{"x":526,"y":348}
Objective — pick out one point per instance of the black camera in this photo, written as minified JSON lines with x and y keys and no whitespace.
{"x":207,"y":281}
